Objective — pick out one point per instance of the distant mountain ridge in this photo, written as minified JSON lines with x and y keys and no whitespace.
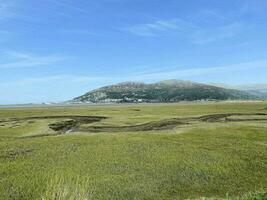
{"x":164,"y":91}
{"x":259,"y":90}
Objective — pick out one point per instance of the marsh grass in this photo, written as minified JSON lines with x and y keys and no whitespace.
{"x":213,"y":160}
{"x":261,"y":195}
{"x":62,"y":188}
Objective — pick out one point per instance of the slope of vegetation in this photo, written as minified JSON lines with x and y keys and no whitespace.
{"x":218,"y":155}
{"x":165,"y":91}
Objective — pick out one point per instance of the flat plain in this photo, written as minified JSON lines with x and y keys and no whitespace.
{"x":215,"y":150}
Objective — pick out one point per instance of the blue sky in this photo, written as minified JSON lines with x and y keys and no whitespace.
{"x":53,"y":50}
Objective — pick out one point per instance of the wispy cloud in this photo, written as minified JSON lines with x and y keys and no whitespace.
{"x":204,"y":36}
{"x":69,"y":5}
{"x":4,"y":35}
{"x":6,"y":9}
{"x":77,"y":32}
{"x":57,"y":87}
{"x":207,"y":15}
{"x":62,"y":78}
{"x":255,"y":7}
{"x":23,"y":60}
{"x":149,"y":76}
{"x":159,"y":27}
{"x":188,"y":73}
{"x":203,"y":27}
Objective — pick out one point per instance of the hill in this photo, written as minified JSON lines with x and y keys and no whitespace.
{"x":164,"y":91}
{"x":259,"y":90}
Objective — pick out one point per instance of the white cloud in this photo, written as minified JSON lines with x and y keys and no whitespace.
{"x":62,"y":78}
{"x":23,"y":60}
{"x":6,"y":9}
{"x":4,"y":35}
{"x":254,"y":7}
{"x":77,"y":32}
{"x":69,"y":5}
{"x":159,"y":27}
{"x":203,"y":27}
{"x":197,"y":72}
{"x":209,"y":15}
{"x":146,"y":76}
{"x":203,"y":36}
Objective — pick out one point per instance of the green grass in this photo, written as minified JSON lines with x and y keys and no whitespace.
{"x":212,"y":160}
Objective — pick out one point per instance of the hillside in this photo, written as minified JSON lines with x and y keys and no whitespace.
{"x":164,"y":91}
{"x":259,"y":90}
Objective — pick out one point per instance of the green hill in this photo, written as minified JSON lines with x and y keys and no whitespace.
{"x":164,"y":91}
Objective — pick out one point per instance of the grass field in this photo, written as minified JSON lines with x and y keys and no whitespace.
{"x":153,"y":151}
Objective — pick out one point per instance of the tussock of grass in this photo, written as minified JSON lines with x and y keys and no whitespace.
{"x":262,"y":195}
{"x":62,"y":188}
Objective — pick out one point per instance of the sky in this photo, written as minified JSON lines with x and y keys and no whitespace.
{"x":55,"y":50}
